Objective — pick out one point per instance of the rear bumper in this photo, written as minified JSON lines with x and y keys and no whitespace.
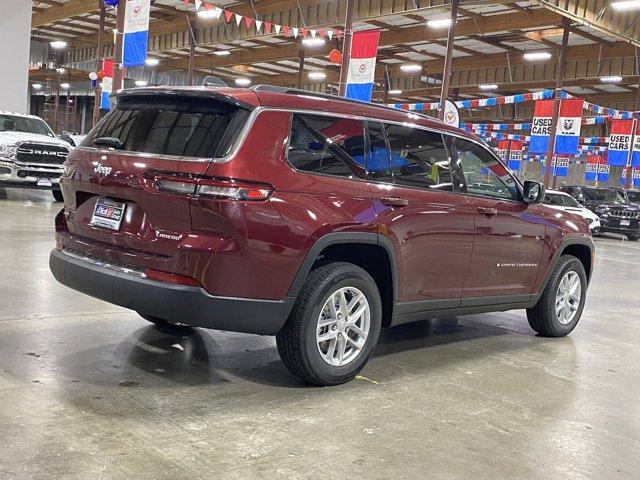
{"x":175,"y":303}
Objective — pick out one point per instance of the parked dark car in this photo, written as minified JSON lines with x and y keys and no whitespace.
{"x":616,"y":214}
{"x":309,"y":217}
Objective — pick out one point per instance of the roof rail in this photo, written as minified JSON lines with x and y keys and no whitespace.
{"x":308,"y":93}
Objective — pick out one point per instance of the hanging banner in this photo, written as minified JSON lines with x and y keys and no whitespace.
{"x":635,"y":177}
{"x":619,"y":142}
{"x":591,"y":169}
{"x":136,"y":32}
{"x":635,"y":156}
{"x":515,"y":155}
{"x":569,"y":123}
{"x":561,"y":166}
{"x":603,"y":172}
{"x":362,"y":65}
{"x":106,"y":86}
{"x":451,"y":114}
{"x":567,"y":130}
{"x":502,"y":149}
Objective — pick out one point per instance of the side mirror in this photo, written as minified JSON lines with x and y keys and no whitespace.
{"x":109,"y":142}
{"x":533,"y":192}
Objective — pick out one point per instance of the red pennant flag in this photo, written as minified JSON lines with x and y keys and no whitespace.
{"x":248,"y":21}
{"x":186,"y":2}
{"x":305,"y":32}
{"x":338,"y":34}
{"x":228,"y":15}
{"x":285,"y":29}
{"x":267,"y":27}
{"x":321,"y":32}
{"x":208,"y":6}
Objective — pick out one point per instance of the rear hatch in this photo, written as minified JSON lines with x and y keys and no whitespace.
{"x":141,"y":159}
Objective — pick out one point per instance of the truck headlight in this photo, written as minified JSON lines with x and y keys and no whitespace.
{"x":8,"y":150}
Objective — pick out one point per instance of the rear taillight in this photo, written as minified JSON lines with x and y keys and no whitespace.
{"x":225,"y":189}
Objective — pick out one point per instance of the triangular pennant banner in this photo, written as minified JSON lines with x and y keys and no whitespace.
{"x":339,"y":34}
{"x":186,"y":2}
{"x":248,"y":21}
{"x":313,"y":33}
{"x":208,"y":6}
{"x":228,"y":15}
{"x":258,"y":25}
{"x":198,"y":4}
{"x":329,"y":34}
{"x":238,"y":19}
{"x":285,"y":30}
{"x":217,"y":11}
{"x":295,"y":32}
{"x":305,"y":32}
{"x":267,"y":27}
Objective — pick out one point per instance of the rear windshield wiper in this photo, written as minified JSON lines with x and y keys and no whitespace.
{"x":111,"y":142}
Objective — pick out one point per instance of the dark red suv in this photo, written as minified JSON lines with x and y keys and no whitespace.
{"x":309,"y":217}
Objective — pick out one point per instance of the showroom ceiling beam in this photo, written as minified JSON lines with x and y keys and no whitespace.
{"x":66,"y":10}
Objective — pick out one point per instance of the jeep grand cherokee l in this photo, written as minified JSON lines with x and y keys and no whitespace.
{"x":616,"y":214}
{"x":312,"y":218}
{"x":30,"y":154}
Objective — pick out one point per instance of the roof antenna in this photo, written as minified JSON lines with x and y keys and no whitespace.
{"x":213,"y":81}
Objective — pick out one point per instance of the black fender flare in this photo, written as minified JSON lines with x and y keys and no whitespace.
{"x":344,"y":238}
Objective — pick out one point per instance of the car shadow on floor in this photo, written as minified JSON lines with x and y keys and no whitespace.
{"x":153,"y":357}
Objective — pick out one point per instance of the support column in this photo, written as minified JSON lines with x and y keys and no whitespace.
{"x":346,"y":48}
{"x":192,"y":50}
{"x":96,"y":105}
{"x":446,"y":75}
{"x":15,"y":25}
{"x":562,"y":65}
{"x":117,"y":54}
{"x":300,"y":66}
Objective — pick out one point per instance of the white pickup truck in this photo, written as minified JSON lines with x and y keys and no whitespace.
{"x":31,"y":156}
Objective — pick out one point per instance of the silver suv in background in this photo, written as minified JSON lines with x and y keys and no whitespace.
{"x":31,"y":156}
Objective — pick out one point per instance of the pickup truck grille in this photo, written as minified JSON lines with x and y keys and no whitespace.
{"x":41,"y":153}
{"x":624,"y":214}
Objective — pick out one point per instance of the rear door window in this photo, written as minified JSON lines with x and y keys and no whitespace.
{"x":183,"y":127}
{"x":419,"y":158}
{"x":327,"y":145}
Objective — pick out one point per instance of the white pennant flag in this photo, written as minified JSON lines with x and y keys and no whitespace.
{"x":329,"y":34}
{"x":258,"y":25}
{"x":238,"y":19}
{"x":277,"y":28}
{"x":198,"y":4}
{"x":313,"y":33}
{"x":217,"y":11}
{"x":295,"y":32}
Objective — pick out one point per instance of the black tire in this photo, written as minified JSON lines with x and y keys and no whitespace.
{"x":297,"y":340}
{"x":633,"y":238}
{"x":543,"y":317}
{"x":57,"y":195}
{"x":165,"y":326}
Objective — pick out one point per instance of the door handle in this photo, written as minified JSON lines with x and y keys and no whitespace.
{"x":488,"y":211}
{"x":394,"y":202}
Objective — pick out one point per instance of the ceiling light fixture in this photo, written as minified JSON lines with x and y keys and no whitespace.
{"x":611,"y":79}
{"x":243,"y":82}
{"x":65,"y":86}
{"x":37,"y":86}
{"x":60,"y":70}
{"x":141,"y":83}
{"x":58,"y":44}
{"x":488,"y":86}
{"x":534,"y":56}
{"x":313,"y":42}
{"x":317,"y":75}
{"x":208,"y":14}
{"x":395,"y":92}
{"x":222,"y":53}
{"x":410,"y":67}
{"x":624,"y":6}
{"x":441,"y":23}
{"x":152,"y":62}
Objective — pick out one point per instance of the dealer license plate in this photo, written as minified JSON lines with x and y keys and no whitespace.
{"x":108,"y":214}
{"x":625,"y":223}
{"x":44,"y":182}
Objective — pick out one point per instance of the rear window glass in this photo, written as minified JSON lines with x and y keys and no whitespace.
{"x":185,"y":127}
